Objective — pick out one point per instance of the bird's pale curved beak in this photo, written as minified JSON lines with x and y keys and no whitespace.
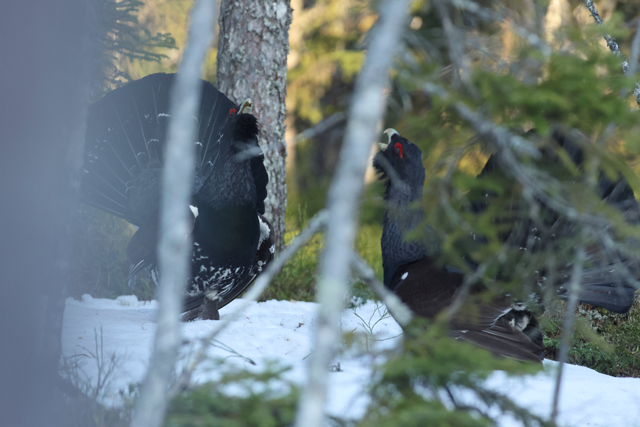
{"x":390,"y":132}
{"x":246,"y":107}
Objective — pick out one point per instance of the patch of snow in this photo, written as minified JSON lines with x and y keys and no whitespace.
{"x":282,"y":331}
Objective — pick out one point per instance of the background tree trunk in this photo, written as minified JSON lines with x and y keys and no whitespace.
{"x":252,"y":63}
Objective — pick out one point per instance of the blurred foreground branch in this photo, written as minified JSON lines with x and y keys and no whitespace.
{"x":365,"y":111}
{"x":567,"y":327}
{"x":400,"y":312}
{"x":174,"y":249}
{"x":317,"y":223}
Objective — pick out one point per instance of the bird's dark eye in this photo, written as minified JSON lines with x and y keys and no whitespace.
{"x":398,"y":148}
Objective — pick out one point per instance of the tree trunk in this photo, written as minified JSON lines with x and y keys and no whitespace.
{"x":252,"y":63}
{"x":45,"y":69}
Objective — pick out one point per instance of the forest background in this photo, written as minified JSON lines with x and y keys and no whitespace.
{"x":567,"y":75}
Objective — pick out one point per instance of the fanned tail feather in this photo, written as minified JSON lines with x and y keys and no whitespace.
{"x":126,"y":136}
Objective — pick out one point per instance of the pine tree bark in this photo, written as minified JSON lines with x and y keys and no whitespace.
{"x":252,"y":63}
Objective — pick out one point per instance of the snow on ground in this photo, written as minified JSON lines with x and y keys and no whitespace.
{"x":281,"y":331}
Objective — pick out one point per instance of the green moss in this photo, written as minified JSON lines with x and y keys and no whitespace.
{"x":257,"y":400}
{"x":606,"y":342}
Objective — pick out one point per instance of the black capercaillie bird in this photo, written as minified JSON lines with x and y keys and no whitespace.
{"x":500,"y":325}
{"x":609,"y":278}
{"x":125,"y":142}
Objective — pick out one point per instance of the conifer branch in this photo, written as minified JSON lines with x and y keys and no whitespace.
{"x":510,"y":148}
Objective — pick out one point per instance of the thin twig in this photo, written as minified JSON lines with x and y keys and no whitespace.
{"x":400,"y":312}
{"x":454,"y":38}
{"x":611,"y":42}
{"x":633,"y":61}
{"x":318,"y":128}
{"x":635,"y":50}
{"x":627,"y":69}
{"x":317,"y":223}
{"x":365,"y":111}
{"x":491,"y":16}
{"x":174,"y":249}
{"x":567,"y":327}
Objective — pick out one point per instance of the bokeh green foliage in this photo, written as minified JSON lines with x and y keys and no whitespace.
{"x":239,"y":399}
{"x":326,"y":38}
{"x":414,"y":387}
{"x":297,"y":281}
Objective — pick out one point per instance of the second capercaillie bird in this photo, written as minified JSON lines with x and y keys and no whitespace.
{"x":499,"y":325}
{"x":125,"y":141}
{"x":609,"y":278}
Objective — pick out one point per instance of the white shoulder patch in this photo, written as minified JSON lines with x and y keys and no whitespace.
{"x":264,"y":231}
{"x":404,"y":276}
{"x":194,"y":210}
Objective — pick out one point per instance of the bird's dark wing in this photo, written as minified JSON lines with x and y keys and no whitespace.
{"x":141,"y":249}
{"x":125,"y":140}
{"x":496,"y":325}
{"x":261,"y":179}
{"x":264,"y":255}
{"x":502,"y":339}
{"x":612,"y":279}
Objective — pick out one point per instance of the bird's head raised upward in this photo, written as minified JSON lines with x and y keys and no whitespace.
{"x":399,"y":163}
{"x":246,"y":107}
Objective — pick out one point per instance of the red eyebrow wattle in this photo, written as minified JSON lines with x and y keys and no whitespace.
{"x":398,"y":147}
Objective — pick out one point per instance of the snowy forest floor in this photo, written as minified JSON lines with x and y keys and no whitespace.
{"x":102,"y":335}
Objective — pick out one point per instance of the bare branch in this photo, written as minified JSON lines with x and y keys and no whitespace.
{"x":635,"y":50}
{"x":317,"y":129}
{"x":365,"y":111}
{"x":567,"y":327}
{"x":400,"y":312}
{"x":611,"y":42}
{"x":490,"y":16}
{"x":454,"y":39}
{"x":633,"y":61}
{"x":174,"y":249}
{"x":317,"y":223}
{"x":627,"y":69}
